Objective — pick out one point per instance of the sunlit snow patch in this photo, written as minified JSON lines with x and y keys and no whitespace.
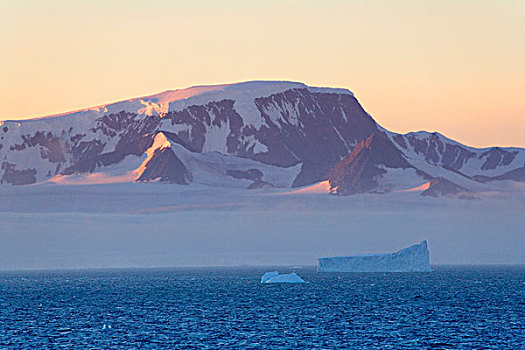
{"x":421,"y":188}
{"x":320,"y":187}
{"x":92,"y":179}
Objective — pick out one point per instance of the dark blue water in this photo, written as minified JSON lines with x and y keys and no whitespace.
{"x":450,"y":308}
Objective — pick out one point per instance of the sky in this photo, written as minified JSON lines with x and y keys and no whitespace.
{"x":456,"y":67}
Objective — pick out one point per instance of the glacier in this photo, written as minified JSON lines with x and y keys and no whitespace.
{"x":275,"y":277}
{"x":412,"y":259}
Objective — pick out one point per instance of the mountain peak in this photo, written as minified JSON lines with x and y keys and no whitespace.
{"x":162,"y":164}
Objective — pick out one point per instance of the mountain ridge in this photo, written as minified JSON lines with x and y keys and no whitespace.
{"x":288,"y":133}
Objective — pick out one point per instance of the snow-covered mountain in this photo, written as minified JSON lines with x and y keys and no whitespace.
{"x":251,"y":135}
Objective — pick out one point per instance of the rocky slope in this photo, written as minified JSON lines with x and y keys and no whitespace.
{"x":361,"y":170}
{"x":251,"y":135}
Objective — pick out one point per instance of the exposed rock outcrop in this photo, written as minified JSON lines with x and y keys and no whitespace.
{"x":441,"y":187}
{"x":513,"y":175}
{"x":359,"y":171}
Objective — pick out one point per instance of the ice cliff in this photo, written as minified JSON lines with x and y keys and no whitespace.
{"x":412,"y":259}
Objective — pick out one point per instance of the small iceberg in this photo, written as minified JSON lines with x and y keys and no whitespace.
{"x":274,"y":277}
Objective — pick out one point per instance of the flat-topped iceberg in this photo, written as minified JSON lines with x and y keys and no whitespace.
{"x":275,"y":277}
{"x":412,"y":259}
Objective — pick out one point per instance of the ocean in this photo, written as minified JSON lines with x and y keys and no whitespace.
{"x":453,"y":307}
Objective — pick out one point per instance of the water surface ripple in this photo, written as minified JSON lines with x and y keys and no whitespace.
{"x":222,"y":308}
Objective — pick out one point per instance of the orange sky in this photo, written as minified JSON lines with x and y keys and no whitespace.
{"x":457,"y":67}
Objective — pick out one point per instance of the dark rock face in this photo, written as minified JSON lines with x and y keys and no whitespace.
{"x":173,"y":137}
{"x":132,"y":131}
{"x":435,"y":151}
{"x":514,"y":175}
{"x":250,"y":174}
{"x":258,"y":184}
{"x":134,"y":137}
{"x":497,"y":157}
{"x":198,"y":118}
{"x":165,"y":167}
{"x":84,"y":157}
{"x":358,"y":172}
{"x":442,"y":187}
{"x":14,"y":176}
{"x":50,"y":146}
{"x":127,"y":125}
{"x":91,"y":157}
{"x":313,"y":172}
{"x":517,"y":175}
{"x":317,"y":129}
{"x":400,"y":140}
{"x":254,"y":175}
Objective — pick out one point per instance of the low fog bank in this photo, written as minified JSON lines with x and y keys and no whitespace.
{"x":273,"y":232}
